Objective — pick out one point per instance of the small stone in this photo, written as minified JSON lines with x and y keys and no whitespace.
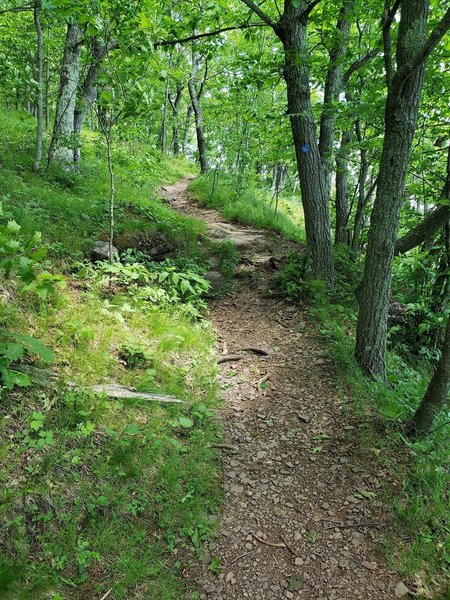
{"x":400,"y":590}
{"x":230,"y":578}
{"x":299,"y":561}
{"x":303,"y":417}
{"x":369,"y":566}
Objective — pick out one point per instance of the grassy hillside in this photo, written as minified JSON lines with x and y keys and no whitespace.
{"x":72,"y":210}
{"x":99,"y":493}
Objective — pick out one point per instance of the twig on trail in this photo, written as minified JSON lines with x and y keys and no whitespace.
{"x":288,"y":546}
{"x":295,"y":397}
{"x":280,"y":322}
{"x":225,"y":447}
{"x":258,"y":351}
{"x":242,"y":556}
{"x":271,"y":544}
{"x":106,"y":595}
{"x":356,"y":525}
{"x":230,"y":358}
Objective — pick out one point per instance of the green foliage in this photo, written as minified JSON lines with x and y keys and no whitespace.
{"x":158,"y":283}
{"x":118,"y":488}
{"x":20,"y":256}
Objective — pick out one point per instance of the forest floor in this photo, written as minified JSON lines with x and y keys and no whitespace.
{"x":303,"y":515}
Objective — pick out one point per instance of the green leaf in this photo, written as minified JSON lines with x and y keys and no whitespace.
{"x":131,"y":429}
{"x":185,"y":422}
{"x":13,"y":227}
{"x":12,"y":351}
{"x":34,"y":346}
{"x":215,"y":565}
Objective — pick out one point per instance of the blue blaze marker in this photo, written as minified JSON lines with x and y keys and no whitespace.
{"x":305,"y":148}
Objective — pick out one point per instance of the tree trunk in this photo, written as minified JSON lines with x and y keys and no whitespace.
{"x":47,"y":94}
{"x":436,"y":396}
{"x":163,"y":130}
{"x":342,"y":233}
{"x":175,"y":103}
{"x":292,"y":31}
{"x":440,"y":293}
{"x":201,"y":142}
{"x":61,"y":145}
{"x":88,"y":92}
{"x":400,"y":124}
{"x":333,"y":87}
{"x":187,"y":124}
{"x":39,"y":78}
{"x":112,"y":195}
{"x":363,"y":196}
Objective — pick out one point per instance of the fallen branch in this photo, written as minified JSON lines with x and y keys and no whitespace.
{"x":242,"y":556}
{"x":225,"y":447}
{"x":49,"y":379}
{"x":258,"y":351}
{"x":288,"y":546}
{"x":271,"y":544}
{"x":119,"y":391}
{"x":232,"y":357}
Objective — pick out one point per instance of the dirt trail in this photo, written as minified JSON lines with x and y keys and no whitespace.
{"x":300,"y":519}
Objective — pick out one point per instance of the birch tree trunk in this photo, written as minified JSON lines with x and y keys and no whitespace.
{"x":61,"y":145}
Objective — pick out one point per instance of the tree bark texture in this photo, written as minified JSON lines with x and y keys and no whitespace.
{"x":401,"y":112}
{"x":342,"y":233}
{"x":333,"y":87}
{"x":61,"y":145}
{"x":292,"y":31}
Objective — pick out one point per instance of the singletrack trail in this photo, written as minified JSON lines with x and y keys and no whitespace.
{"x":303,"y":515}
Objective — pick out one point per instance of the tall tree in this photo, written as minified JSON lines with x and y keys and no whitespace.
{"x":291,"y":29}
{"x":401,"y":111}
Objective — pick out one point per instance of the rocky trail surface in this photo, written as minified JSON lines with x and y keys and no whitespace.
{"x":302,"y":516}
